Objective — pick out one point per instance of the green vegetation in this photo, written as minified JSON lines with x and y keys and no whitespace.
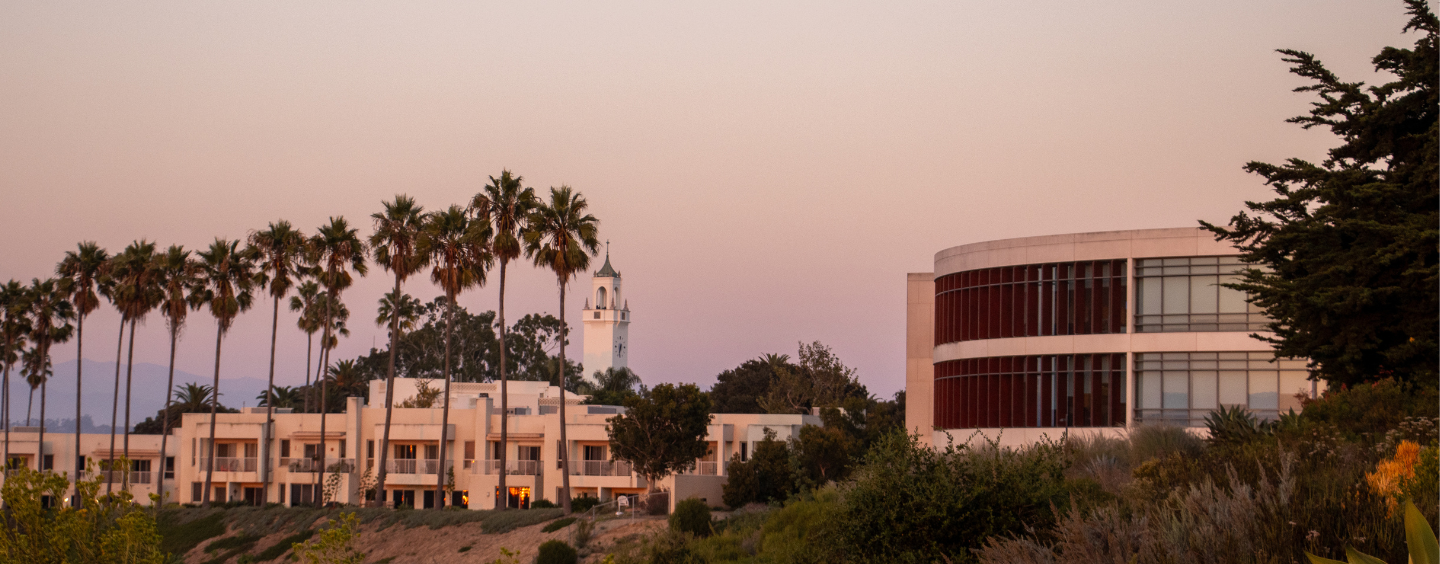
{"x":558,"y":524}
{"x":662,"y":430}
{"x":691,"y":516}
{"x":332,"y":545}
{"x":283,"y":545}
{"x":103,"y":529}
{"x":556,"y":552}
{"x":178,"y":537}
{"x":1347,"y":249}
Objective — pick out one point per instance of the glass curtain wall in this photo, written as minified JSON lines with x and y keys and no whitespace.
{"x":1185,"y":295}
{"x":1182,"y":388}
{"x":1086,"y":390}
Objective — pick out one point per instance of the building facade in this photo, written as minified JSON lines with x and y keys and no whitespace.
{"x":1086,"y":333}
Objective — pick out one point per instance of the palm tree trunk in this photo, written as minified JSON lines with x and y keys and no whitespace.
{"x":165,"y":418}
{"x":320,"y":376}
{"x":6,"y":408}
{"x":115,"y":406}
{"x":129,"y":375}
{"x":269,"y":409}
{"x":79,"y":365}
{"x":445,"y":411}
{"x":214,"y":408}
{"x":30,"y":408}
{"x":564,"y":444}
{"x":309,"y":346}
{"x":504,"y":401}
{"x":389,"y":397}
{"x":44,"y":385}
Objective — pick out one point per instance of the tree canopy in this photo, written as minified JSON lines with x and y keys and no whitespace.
{"x":662,"y":430}
{"x":1346,"y":252}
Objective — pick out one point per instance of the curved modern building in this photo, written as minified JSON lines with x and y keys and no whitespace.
{"x":1089,"y":333}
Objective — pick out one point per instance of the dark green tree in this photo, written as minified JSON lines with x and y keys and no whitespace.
{"x":613,"y":386}
{"x":739,"y":389}
{"x":662,"y":430}
{"x":767,"y":476}
{"x":1346,"y":254}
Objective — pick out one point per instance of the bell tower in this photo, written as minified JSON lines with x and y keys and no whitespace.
{"x":607,"y":322}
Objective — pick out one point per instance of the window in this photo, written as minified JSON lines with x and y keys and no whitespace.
{"x":469,"y":453}
{"x":594,"y":453}
{"x":1182,"y":388}
{"x":285,"y":448}
{"x":195,"y":492}
{"x":370,"y":449}
{"x":342,"y":448}
{"x":302,"y":494}
{"x":528,"y":452}
{"x":1069,"y":298}
{"x":1186,"y":294}
{"x":600,"y":298}
{"x":169,"y":468}
{"x":744,"y":451}
{"x":1085,"y":390}
{"x":47,"y":462}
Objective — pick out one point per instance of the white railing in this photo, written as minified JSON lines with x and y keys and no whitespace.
{"x":414,"y":466}
{"x":231,"y":464}
{"x":704,"y":468}
{"x":338,"y":465}
{"x":118,"y":476}
{"x":599,"y":468}
{"x":512,"y":467}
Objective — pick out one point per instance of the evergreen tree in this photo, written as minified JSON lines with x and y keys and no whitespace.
{"x":1346,"y":254}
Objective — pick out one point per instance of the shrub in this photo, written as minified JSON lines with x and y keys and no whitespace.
{"x":333,"y":545}
{"x":283,"y":545}
{"x":556,"y":552}
{"x":583,"y":503}
{"x":179,"y":538}
{"x":542,"y":504}
{"x":691,"y":516}
{"x":910,"y":503}
{"x":1367,"y":411}
{"x":766,"y":477}
{"x":557,"y":525}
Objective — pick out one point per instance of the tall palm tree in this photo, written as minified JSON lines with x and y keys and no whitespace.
{"x":306,"y":302}
{"x":80,"y":272}
{"x":404,"y":311}
{"x":14,"y":330}
{"x":280,"y":250}
{"x":50,"y":314}
{"x":138,"y":290}
{"x":35,"y":374}
{"x":561,"y":237}
{"x":228,"y":275}
{"x":193,"y":398}
{"x":339,"y":317}
{"x":112,"y":291}
{"x":504,"y":204}
{"x":394,"y":245}
{"x":335,"y":250}
{"x":179,"y":278}
{"x":459,"y":250}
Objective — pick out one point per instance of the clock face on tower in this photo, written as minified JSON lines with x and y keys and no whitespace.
{"x":620,"y":346}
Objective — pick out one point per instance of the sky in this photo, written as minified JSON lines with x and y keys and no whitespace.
{"x":766,"y":172}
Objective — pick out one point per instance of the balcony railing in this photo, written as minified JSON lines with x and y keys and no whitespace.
{"x":338,"y":465}
{"x":512,"y":467}
{"x":704,"y":468}
{"x":118,"y":476}
{"x":230,"y":464}
{"x":415,"y":466}
{"x":599,"y":468}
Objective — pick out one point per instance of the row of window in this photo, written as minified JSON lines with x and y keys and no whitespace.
{"x":1070,"y":298}
{"x":1086,"y":390}
{"x":1089,"y":297}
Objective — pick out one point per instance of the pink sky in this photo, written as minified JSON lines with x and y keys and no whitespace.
{"x":767,"y":172}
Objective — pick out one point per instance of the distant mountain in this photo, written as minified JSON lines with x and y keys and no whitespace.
{"x":147,"y":394}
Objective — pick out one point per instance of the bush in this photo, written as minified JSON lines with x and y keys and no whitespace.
{"x":557,"y":525}
{"x":542,"y":504}
{"x":556,"y":552}
{"x":766,"y":477}
{"x":691,"y":516}
{"x":583,"y":503}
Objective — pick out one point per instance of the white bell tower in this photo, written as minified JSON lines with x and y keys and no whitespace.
{"x":607,"y":322}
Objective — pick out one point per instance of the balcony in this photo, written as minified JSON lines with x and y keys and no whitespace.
{"x":704,"y":468}
{"x":231,"y":464}
{"x":599,"y":468}
{"x":512,"y":467}
{"x":118,"y":477}
{"x":415,"y":466}
{"x":335,"y":465}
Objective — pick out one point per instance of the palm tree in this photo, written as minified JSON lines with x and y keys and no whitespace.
{"x":280,"y":250}
{"x":340,"y":316}
{"x":228,"y":274}
{"x":335,"y":250}
{"x":561,"y":237}
{"x":405,"y":309}
{"x":460,"y":252}
{"x":306,"y":302}
{"x":504,"y":205}
{"x":50,"y":314}
{"x":139,"y":292}
{"x":80,"y":272}
{"x":179,"y":278}
{"x":193,"y":398}
{"x":109,"y":288}
{"x":35,"y":375}
{"x":283,"y":396}
{"x":14,"y":329}
{"x":397,"y":234}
